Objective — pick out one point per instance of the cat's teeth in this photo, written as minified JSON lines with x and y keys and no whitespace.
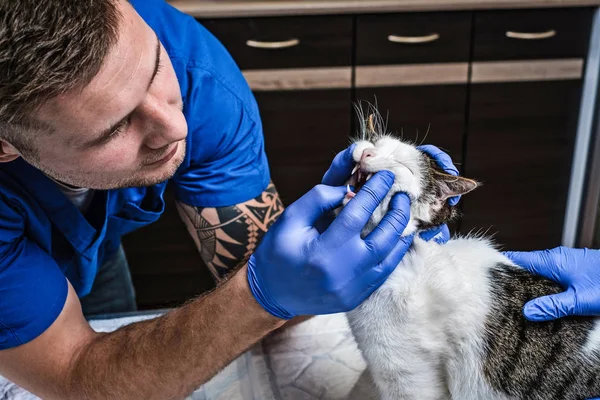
{"x":348,"y":189}
{"x":355,"y":169}
{"x":369,"y":176}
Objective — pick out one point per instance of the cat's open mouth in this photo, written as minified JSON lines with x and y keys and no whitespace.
{"x":358,"y":178}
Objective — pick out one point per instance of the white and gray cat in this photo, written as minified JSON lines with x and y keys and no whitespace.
{"x":448,"y":323}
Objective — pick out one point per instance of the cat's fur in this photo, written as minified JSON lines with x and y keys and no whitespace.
{"x":448,"y":322}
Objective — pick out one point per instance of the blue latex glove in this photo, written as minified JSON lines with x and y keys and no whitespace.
{"x":439,"y":234}
{"x":443,"y":161}
{"x":296,"y":270}
{"x":576,"y":270}
{"x":342,"y":166}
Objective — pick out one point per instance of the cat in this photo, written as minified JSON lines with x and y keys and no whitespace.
{"x":448,"y":322}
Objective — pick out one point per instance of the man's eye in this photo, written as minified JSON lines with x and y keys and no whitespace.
{"x":119,"y":129}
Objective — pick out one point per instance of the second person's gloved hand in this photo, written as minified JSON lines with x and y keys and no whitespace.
{"x":296,"y":270}
{"x":576,"y":270}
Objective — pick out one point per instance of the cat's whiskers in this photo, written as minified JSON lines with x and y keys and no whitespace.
{"x":426,"y":134}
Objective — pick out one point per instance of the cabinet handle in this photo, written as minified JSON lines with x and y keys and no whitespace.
{"x":413,"y":39}
{"x":531,"y":35}
{"x":273,"y":45}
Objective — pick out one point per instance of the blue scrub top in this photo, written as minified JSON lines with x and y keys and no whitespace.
{"x":43,"y":236}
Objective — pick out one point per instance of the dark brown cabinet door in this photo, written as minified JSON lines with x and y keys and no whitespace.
{"x":532,"y":34}
{"x":432,"y":114}
{"x":413,"y":38}
{"x":303,"y":132}
{"x":285,"y":42}
{"x":520,"y":146}
{"x":524,"y":102}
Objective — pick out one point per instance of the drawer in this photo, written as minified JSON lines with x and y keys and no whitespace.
{"x":413,"y":38}
{"x":288,"y":42}
{"x":532,"y":34}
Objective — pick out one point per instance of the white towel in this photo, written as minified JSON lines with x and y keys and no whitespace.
{"x":315,"y":360}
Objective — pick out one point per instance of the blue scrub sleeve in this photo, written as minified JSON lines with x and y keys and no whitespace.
{"x":33,"y":290}
{"x":226,"y":162}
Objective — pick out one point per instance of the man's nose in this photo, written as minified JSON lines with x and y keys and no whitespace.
{"x":167,"y":124}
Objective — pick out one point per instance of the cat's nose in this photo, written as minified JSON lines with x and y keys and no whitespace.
{"x":370,"y":152}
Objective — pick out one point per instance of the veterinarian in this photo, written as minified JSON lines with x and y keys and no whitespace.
{"x":102,"y":102}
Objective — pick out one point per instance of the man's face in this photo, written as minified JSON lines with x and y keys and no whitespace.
{"x":126,"y":128}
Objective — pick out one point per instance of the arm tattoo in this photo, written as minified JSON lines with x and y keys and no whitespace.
{"x":227,"y":236}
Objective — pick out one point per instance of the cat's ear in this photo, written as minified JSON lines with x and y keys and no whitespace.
{"x":450,"y":185}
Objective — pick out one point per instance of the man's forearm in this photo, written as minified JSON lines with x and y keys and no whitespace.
{"x":227,"y":236}
{"x":170,"y":356}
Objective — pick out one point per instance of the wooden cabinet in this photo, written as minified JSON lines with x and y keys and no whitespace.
{"x":522,"y":123}
{"x":531,"y":34}
{"x":285,"y":42}
{"x":413,"y":38}
{"x":520,"y":146}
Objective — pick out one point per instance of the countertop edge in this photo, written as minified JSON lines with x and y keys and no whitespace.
{"x":237,"y":8}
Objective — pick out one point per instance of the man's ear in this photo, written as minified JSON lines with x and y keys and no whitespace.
{"x":8,"y":152}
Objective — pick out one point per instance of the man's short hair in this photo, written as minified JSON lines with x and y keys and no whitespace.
{"x":48,"y":48}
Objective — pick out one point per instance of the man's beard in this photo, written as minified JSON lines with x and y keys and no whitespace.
{"x":132,"y":180}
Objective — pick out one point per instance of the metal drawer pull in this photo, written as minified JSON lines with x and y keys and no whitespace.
{"x":531,"y":36}
{"x":273,"y":45}
{"x":414,"y":39}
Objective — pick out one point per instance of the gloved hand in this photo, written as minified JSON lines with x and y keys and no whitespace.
{"x":443,"y":161}
{"x":440,"y":234}
{"x":342,"y":166}
{"x":577,"y":270}
{"x":296,"y":270}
